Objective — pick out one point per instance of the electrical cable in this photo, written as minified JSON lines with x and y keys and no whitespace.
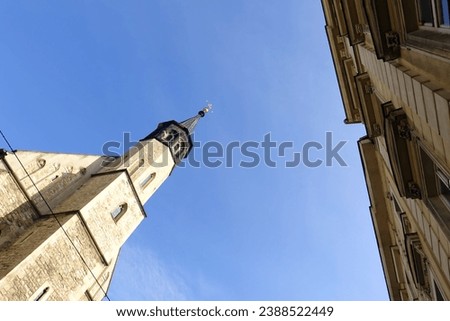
{"x":54,"y":215}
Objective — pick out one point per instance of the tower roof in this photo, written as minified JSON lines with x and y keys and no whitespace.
{"x":177,"y":135}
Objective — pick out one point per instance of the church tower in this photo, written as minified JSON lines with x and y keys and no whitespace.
{"x":64,"y":217}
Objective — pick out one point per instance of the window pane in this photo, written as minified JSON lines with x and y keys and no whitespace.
{"x":119,"y":210}
{"x":445,"y":192}
{"x":147,"y":180}
{"x":445,"y":13}
{"x":439,"y":296}
{"x":41,"y":295}
{"x":397,"y":207}
{"x":429,"y":172}
{"x":425,"y":11}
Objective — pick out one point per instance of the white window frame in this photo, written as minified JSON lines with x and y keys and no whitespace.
{"x":443,"y":179}
{"x":436,"y":13}
{"x":416,"y":256}
{"x":147,"y":180}
{"x":435,"y":288}
{"x":119,"y":211}
{"x":431,"y":179}
{"x":41,"y":294}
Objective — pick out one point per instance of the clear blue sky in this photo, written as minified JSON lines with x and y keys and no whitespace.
{"x":76,"y":74}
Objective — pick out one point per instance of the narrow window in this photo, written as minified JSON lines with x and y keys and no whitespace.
{"x":176,"y":148}
{"x":146,"y":181}
{"x":437,"y":293}
{"x":183,"y":149}
{"x":425,"y":12}
{"x":437,"y":185}
{"x":443,"y":188}
{"x":418,"y":264}
{"x":41,"y":162}
{"x":41,"y":295}
{"x":169,"y":135}
{"x":397,"y":207}
{"x":417,"y":261}
{"x":406,"y":224}
{"x":119,"y":211}
{"x":444,"y":13}
{"x":398,"y":141}
{"x":88,"y":296}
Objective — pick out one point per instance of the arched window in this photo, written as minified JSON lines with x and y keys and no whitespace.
{"x":119,"y":211}
{"x":41,"y":296}
{"x":170,"y":135}
{"x":176,"y":147}
{"x":183,"y":149}
{"x":147,"y":180}
{"x":41,"y":162}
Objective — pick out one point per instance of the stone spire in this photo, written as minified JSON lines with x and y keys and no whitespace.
{"x":190,"y":123}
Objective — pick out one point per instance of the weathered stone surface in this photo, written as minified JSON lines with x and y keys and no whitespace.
{"x":59,"y":239}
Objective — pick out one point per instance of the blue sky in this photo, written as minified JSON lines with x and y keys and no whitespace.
{"x":76,"y":74}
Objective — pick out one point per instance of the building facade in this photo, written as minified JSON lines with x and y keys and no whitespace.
{"x":64,"y":217}
{"x":392,"y":61}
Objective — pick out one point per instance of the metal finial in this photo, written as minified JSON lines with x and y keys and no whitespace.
{"x":206,"y":109}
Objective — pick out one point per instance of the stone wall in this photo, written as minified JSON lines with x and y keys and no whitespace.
{"x":16,"y":213}
{"x":49,"y":249}
{"x":45,"y":258}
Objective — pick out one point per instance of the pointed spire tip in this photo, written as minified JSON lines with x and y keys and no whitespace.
{"x":205,"y":110}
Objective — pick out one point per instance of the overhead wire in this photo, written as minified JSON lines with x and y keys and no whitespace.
{"x":13,"y":151}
